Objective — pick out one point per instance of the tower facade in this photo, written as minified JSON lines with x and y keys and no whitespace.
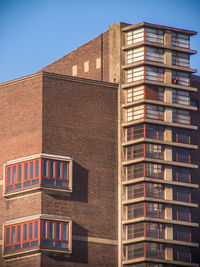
{"x":100,"y":167}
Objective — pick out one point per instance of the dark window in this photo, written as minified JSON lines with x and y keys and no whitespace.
{"x":181,"y":194}
{"x":155,"y":230}
{"x":181,"y":174}
{"x":135,"y":211}
{"x":154,"y":210}
{"x":134,"y":191}
{"x":181,"y":155}
{"x":44,"y":167}
{"x":135,"y":250}
{"x":19,"y":172}
{"x":155,"y":250}
{"x":180,"y":136}
{"x":155,"y":170}
{"x":135,"y":132}
{"x":51,"y":169}
{"x":31,"y":169}
{"x":13,"y":234}
{"x":135,"y":171}
{"x":154,"y":151}
{"x":181,"y":214}
{"x":155,"y":190}
{"x":37,"y":168}
{"x":154,"y":131}
{"x":30,"y":230}
{"x":25,"y":232}
{"x":182,"y":233}
{"x":26,"y":171}
{"x":51,"y":230}
{"x":181,"y":253}
{"x":14,"y":174}
{"x":58,"y":231}
{"x":134,"y":152}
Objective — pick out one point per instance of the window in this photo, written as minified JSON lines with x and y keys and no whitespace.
{"x":74,"y":70}
{"x":154,"y":151}
{"x":181,"y":78}
{"x":134,"y":94}
{"x":180,"y":155}
{"x":135,"y":113}
{"x":181,"y":253}
{"x":134,"y":152}
{"x":135,"y":250}
{"x":155,"y":190}
{"x":135,"y":211}
{"x":134,"y":75}
{"x":135,"y":55}
{"x":154,"y":210}
{"x":135,"y":191}
{"x":86,"y":66}
{"x":181,"y":233}
{"x":181,"y":214}
{"x":98,"y":63}
{"x":154,"y":131}
{"x":181,"y":40}
{"x":181,"y":194}
{"x":135,"y":171}
{"x":180,"y":136}
{"x":24,"y":235}
{"x":180,"y":97}
{"x":135,"y":36}
{"x":154,"y":73}
{"x":154,"y":54}
{"x":135,"y":230}
{"x":181,"y":174}
{"x":155,"y":170}
{"x":135,"y":132}
{"x":154,"y":112}
{"x":155,"y":250}
{"x":37,"y":172}
{"x":180,"y":116}
{"x":181,"y":59}
{"x":156,"y":230}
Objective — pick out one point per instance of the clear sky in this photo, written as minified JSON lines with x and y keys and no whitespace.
{"x":35,"y":33}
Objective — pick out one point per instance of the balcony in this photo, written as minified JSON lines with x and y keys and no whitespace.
{"x":37,"y":233}
{"x":38,"y":172}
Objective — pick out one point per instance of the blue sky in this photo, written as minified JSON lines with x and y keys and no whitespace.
{"x":35,"y":33}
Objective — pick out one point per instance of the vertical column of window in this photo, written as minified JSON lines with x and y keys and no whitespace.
{"x":134,"y":152}
{"x":30,"y":234}
{"x":181,"y":78}
{"x":135,"y":94}
{"x":180,"y":97}
{"x":181,"y":174}
{"x":154,"y":112}
{"x":180,"y":116}
{"x":154,"y":151}
{"x":155,"y":170}
{"x":154,"y":74}
{"x":135,"y":171}
{"x":135,"y":36}
{"x":180,"y":59}
{"x":134,"y":75}
{"x":135,"y":132}
{"x":154,"y":54}
{"x":181,"y":40}
{"x":154,"y":35}
{"x":135,"y":113}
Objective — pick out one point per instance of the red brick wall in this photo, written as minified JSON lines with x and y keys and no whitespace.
{"x":20,"y":136}
{"x":80,"y":121}
{"x":96,"y":48}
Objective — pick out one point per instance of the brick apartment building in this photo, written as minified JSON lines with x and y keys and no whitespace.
{"x":98,"y":162}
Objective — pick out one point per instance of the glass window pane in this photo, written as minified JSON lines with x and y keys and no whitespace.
{"x":8,"y":235}
{"x":51,"y":169}
{"x":30,"y":230}
{"x":26,"y":171}
{"x":51,"y":230}
{"x":18,"y":233}
{"x":57,"y":230}
{"x":58,"y":169}
{"x":31,"y":169}
{"x":36,"y":168}
{"x":19,"y":172}
{"x":65,"y":170}
{"x":44,"y":229}
{"x":44,"y":167}
{"x":25,"y":232}
{"x":13,"y":234}
{"x":36,"y":229}
{"x":14,"y":174}
{"x":65,"y":231}
{"x":8,"y":174}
